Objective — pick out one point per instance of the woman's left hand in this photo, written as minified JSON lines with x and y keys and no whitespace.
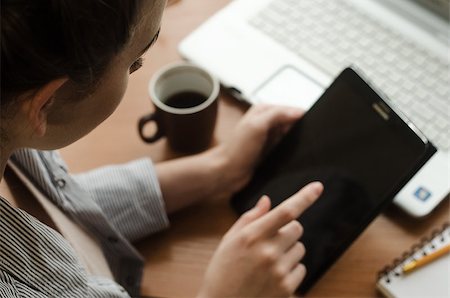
{"x":258,"y":131}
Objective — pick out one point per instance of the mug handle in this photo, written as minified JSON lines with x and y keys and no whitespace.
{"x":142,"y":122}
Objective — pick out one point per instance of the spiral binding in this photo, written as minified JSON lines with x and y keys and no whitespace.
{"x":384,"y":273}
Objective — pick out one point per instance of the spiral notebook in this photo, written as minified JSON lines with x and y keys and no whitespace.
{"x":431,"y":280}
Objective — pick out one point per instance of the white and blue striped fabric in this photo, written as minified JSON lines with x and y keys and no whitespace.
{"x":116,"y":204}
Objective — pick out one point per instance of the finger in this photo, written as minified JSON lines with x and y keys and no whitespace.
{"x":261,"y":208}
{"x":279,"y":116}
{"x":292,"y":257}
{"x":288,"y":235}
{"x":277,"y":133}
{"x":259,"y":108}
{"x":295,"y":277}
{"x":289,"y":210}
{"x":286,"y":128}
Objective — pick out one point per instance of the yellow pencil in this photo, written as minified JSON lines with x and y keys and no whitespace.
{"x":426,"y":259}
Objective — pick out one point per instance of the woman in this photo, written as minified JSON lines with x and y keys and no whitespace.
{"x":65,"y":67}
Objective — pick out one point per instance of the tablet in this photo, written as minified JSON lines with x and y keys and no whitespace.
{"x":363,"y":151}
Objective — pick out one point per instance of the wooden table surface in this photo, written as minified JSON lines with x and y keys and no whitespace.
{"x":177,"y":258}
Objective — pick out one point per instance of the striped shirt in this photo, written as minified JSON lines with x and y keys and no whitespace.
{"x":116,"y":204}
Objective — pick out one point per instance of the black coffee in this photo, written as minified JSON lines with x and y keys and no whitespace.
{"x":187,"y":99}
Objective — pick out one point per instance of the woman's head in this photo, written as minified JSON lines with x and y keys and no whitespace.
{"x":65,"y":64}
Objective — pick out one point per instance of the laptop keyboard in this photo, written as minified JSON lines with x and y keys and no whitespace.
{"x":334,"y":34}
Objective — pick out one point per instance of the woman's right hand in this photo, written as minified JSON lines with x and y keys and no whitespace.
{"x":259,"y":256}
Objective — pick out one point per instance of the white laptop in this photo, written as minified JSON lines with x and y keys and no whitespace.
{"x":287,"y":51}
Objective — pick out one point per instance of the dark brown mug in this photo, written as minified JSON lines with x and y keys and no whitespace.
{"x":185,"y":100}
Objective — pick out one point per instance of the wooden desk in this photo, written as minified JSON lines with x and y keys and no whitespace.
{"x":176,"y":259}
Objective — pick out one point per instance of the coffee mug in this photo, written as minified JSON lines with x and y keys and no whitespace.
{"x":185,"y":99}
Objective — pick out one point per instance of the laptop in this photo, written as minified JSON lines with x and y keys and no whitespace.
{"x":288,"y":51}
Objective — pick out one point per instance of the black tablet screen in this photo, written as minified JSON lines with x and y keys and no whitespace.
{"x":361,"y":152}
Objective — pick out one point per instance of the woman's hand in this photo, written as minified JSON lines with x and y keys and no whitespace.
{"x":260,"y":128}
{"x":224,"y":169}
{"x":259,"y":256}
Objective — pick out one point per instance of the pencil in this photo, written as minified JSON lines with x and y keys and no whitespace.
{"x":426,"y":259}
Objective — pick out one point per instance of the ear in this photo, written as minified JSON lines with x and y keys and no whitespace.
{"x":37,"y":105}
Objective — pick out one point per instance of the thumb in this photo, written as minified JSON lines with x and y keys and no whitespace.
{"x":261,"y":208}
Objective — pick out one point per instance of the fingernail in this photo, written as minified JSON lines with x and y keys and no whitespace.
{"x":264,"y":197}
{"x":317,"y":187}
{"x":296,"y":112}
{"x":258,"y":204}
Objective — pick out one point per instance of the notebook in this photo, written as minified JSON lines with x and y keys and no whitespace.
{"x":286,"y":51}
{"x":431,"y":280}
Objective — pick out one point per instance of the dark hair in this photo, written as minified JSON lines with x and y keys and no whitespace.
{"x":43,"y":40}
